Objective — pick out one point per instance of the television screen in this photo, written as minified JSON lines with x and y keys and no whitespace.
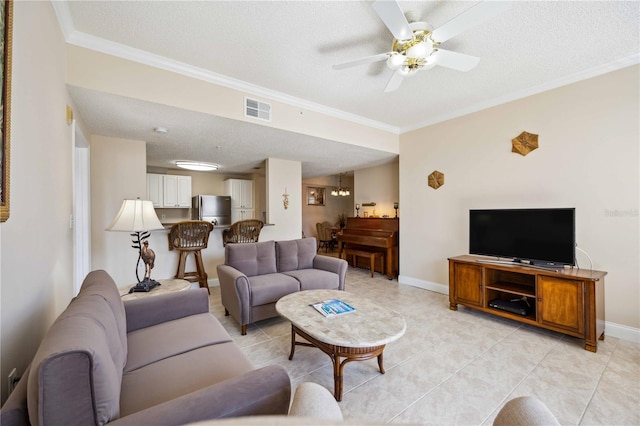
{"x":537,"y":235}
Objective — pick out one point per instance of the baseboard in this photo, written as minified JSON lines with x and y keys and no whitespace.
{"x":611,"y":329}
{"x":213,"y":282}
{"x":624,"y":332}
{"x":427,"y":285}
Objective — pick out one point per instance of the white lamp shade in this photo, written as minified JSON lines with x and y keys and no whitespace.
{"x":136,"y":216}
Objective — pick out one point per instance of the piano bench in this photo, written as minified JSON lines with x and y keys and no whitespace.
{"x":371,"y":255}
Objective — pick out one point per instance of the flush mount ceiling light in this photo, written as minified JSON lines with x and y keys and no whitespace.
{"x":197,"y":166}
{"x":161,"y":130}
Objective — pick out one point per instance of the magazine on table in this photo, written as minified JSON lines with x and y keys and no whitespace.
{"x":333,"y":307}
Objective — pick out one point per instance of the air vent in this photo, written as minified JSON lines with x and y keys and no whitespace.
{"x":257,"y":109}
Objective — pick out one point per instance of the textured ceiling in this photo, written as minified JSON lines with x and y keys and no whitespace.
{"x":288,"y":48}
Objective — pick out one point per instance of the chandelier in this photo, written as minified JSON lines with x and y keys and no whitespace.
{"x":340,"y":190}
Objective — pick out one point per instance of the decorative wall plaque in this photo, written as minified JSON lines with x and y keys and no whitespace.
{"x":524,"y":143}
{"x":436,"y":179}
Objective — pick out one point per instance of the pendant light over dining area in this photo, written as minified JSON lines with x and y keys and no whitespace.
{"x":340,"y":190}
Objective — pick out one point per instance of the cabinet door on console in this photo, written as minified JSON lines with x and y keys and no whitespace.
{"x":561,"y":304}
{"x":468,"y":284}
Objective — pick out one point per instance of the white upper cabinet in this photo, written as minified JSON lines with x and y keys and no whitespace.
{"x":155,"y":189}
{"x":169,"y":191}
{"x":241,"y":192}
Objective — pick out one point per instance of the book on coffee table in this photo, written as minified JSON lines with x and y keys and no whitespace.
{"x":333,"y":307}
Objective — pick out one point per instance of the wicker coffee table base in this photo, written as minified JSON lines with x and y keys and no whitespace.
{"x":337,"y":353}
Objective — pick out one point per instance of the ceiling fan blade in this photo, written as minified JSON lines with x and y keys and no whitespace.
{"x":390,"y":13}
{"x":362,"y":61}
{"x":456,"y":61}
{"x":477,"y":14}
{"x":394,"y":82}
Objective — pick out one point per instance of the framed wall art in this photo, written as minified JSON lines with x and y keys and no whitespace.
{"x":315,"y":196}
{"x":6,"y":15}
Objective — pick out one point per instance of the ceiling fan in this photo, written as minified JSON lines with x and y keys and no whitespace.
{"x":416,"y":46}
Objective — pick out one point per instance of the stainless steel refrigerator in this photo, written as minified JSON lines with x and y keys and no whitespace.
{"x":212,"y":208}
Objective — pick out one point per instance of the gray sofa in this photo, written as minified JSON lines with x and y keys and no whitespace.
{"x":162,"y":360}
{"x":255,"y":275}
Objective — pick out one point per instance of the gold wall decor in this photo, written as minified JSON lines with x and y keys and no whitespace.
{"x":436,"y":179}
{"x":524,"y":143}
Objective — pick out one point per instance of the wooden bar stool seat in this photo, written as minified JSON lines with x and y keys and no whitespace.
{"x":371,"y":255}
{"x":191,"y":236}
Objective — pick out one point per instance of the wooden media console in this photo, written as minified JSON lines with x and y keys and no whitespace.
{"x":569,"y":301}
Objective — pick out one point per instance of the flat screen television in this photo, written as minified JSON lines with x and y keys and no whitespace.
{"x":544,"y":237}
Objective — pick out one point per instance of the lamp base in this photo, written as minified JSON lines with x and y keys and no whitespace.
{"x":145,"y":285}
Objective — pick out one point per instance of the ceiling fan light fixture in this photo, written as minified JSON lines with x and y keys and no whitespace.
{"x":420,"y":50}
{"x":431,"y":61}
{"x":395,"y":61}
{"x":197,"y":166}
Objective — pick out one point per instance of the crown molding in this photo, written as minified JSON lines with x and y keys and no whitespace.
{"x":72,"y":36}
{"x":77,"y":38}
{"x":620,"y":63}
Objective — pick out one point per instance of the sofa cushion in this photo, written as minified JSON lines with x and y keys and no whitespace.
{"x":252,"y":258}
{"x":151,"y":344}
{"x":76,"y":373}
{"x":314,"y":279}
{"x":271,"y":287}
{"x":100,"y":283}
{"x":295,"y":254}
{"x":176,"y":376}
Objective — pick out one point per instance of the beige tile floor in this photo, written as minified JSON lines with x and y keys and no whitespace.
{"x":458,"y":367}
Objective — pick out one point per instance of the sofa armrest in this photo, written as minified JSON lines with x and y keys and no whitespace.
{"x":234,"y":292}
{"x":332,"y":264}
{"x":315,"y":401}
{"x":263,"y":391}
{"x":525,"y":410}
{"x":148,"y":311}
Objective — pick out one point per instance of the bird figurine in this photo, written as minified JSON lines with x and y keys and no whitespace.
{"x":148,"y":257}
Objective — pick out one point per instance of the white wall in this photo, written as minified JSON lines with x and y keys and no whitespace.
{"x":281,"y":176}
{"x":334,"y":205}
{"x":588,"y":159}
{"x":118,"y":172}
{"x":36,"y":242}
{"x":379,"y":185}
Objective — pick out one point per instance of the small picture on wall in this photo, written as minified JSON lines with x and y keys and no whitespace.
{"x":315,"y":196}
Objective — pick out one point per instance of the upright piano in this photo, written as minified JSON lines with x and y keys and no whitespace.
{"x":372,"y":234}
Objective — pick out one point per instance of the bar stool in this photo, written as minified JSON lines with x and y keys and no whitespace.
{"x":190,"y":236}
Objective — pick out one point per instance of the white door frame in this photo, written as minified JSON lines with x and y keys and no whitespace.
{"x":81,"y":219}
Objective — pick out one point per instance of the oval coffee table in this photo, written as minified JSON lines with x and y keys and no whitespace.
{"x":355,"y":336}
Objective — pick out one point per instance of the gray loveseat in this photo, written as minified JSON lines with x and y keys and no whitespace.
{"x":255,"y":275}
{"x":161,"y":360}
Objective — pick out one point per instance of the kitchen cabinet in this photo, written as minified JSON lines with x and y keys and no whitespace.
{"x":241,"y":214}
{"x":169,"y":191}
{"x":241,"y":192}
{"x":155,"y":189}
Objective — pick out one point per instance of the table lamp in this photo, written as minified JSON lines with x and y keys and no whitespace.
{"x":139,"y":217}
